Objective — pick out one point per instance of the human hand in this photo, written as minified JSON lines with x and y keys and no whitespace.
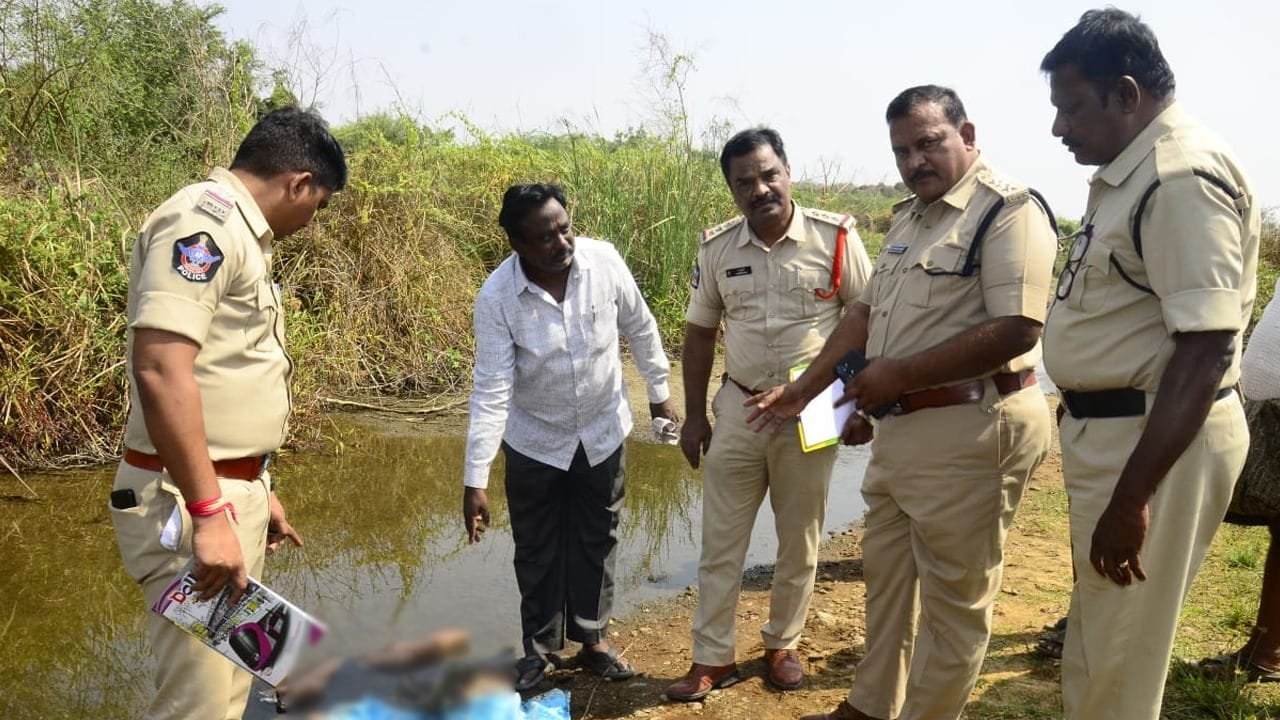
{"x":857,"y":430}
{"x":219,"y":559}
{"x":475,"y":513}
{"x":278,"y":528}
{"x":1115,"y":551}
{"x":695,"y":439}
{"x":665,"y":409}
{"x":878,"y":384}
{"x":775,"y":405}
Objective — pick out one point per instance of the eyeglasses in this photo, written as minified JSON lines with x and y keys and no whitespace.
{"x":1067,"y":278}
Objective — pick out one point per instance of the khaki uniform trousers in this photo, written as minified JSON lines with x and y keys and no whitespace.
{"x":192,"y":681}
{"x":739,"y":467}
{"x":1119,"y":640}
{"x":941,"y":491}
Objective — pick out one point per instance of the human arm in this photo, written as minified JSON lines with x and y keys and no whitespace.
{"x":164,"y":374}
{"x":1182,"y":402}
{"x":974,"y":352}
{"x":638,"y":325}
{"x":494,"y":376}
{"x":697,"y":356}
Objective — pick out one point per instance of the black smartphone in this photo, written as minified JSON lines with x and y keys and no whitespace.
{"x":124,"y":499}
{"x":853,"y":363}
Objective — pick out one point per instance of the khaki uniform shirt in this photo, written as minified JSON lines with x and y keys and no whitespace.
{"x":1199,"y":257}
{"x":773,"y":317}
{"x":918,"y":296}
{"x":200,"y":268}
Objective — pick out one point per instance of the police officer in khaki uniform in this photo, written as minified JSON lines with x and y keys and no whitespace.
{"x":951,"y":321}
{"x":210,"y":395}
{"x":780,"y":277}
{"x":1144,"y":342}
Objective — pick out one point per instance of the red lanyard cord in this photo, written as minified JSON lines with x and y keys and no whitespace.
{"x":837,"y":265}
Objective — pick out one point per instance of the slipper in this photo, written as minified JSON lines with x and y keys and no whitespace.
{"x":530,"y":671}
{"x":1051,"y":641}
{"x":1226,"y":667}
{"x":605,"y":664}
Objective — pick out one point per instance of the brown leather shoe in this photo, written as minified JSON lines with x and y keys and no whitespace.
{"x":785,"y":671}
{"x":843,"y":711}
{"x":701,"y":680}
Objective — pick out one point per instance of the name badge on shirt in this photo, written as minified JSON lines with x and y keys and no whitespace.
{"x":738,"y":271}
{"x":896,"y":249}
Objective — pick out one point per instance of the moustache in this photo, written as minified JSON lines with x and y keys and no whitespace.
{"x":1071,"y":143}
{"x":919,"y":175}
{"x":768,"y":200}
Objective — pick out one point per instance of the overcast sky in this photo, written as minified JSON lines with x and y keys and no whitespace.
{"x":819,"y":72}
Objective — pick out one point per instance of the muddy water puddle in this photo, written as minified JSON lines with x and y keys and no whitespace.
{"x":384,"y":559}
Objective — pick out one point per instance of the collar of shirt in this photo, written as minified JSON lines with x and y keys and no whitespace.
{"x":959,"y":195}
{"x":521,"y":283}
{"x":795,"y":230}
{"x":1118,"y":170}
{"x":249,"y":209}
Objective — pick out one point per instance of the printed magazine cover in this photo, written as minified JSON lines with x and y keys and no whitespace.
{"x":263,"y":633}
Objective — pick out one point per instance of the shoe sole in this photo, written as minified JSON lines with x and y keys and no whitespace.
{"x":724,"y":682}
{"x":785,"y":688}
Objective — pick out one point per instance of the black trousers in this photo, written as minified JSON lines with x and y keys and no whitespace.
{"x":565,"y":525}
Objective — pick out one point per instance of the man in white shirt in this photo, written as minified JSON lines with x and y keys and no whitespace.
{"x":549,"y":389}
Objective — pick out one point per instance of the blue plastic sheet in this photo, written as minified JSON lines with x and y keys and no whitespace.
{"x":553,"y":705}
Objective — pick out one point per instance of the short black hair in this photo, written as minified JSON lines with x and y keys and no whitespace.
{"x":520,"y":200}
{"x":1110,"y":43}
{"x":913,"y":97}
{"x":746,"y":141}
{"x":293,"y":140}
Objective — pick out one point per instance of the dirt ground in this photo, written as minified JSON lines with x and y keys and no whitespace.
{"x":1014,"y":683}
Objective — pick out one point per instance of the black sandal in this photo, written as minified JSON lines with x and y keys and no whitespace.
{"x":530,"y":671}
{"x":1052,"y":640}
{"x":606,"y":664}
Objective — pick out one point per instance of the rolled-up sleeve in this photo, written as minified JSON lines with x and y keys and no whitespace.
{"x":491,"y":391}
{"x":1193,"y":255}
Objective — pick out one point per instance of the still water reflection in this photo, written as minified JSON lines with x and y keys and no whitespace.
{"x":384,"y":559}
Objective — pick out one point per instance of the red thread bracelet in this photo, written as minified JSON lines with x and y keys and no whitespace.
{"x":211,"y":507}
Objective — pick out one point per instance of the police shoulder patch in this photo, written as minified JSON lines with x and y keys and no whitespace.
{"x":722,"y":228}
{"x":216,"y":202}
{"x":1012,"y":192}
{"x":197,"y":257}
{"x":845,"y":221}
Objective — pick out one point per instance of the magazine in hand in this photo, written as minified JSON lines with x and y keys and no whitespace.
{"x":263,"y":633}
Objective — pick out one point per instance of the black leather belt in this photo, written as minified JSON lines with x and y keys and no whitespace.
{"x":1121,"y":402}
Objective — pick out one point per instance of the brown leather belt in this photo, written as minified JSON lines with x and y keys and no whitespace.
{"x":246,"y":468}
{"x":969,"y":392}
{"x":743,"y":388}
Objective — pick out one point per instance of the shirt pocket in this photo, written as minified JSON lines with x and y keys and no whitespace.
{"x":601,"y":320}
{"x":935,"y":278}
{"x":1090,"y":286}
{"x":799,"y":285}
{"x":742,"y":301}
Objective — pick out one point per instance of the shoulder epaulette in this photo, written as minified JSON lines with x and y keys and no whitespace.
{"x":216,"y":201}
{"x":722,"y":228}
{"x":845,"y":221}
{"x":1011,"y":192}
